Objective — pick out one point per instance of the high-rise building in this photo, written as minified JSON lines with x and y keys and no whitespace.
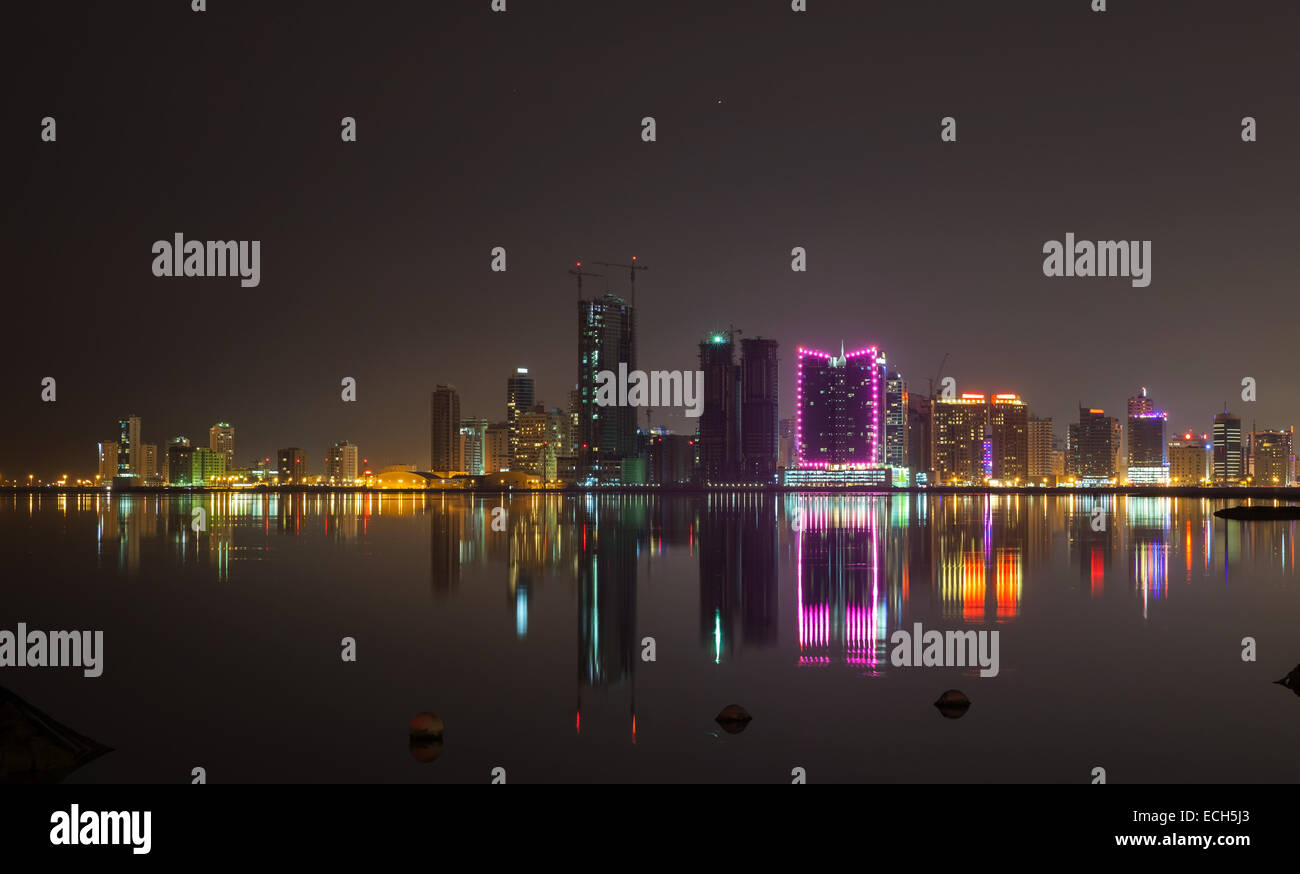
{"x":963,"y":446}
{"x":840,"y":401}
{"x":896,"y":444}
{"x":575,"y":410}
{"x":341,"y":463}
{"x":1272,"y":458}
{"x":128,"y":443}
{"x":920,"y":437}
{"x":221,"y":437}
{"x":149,"y":463}
{"x":473,"y":445}
{"x":719,"y":422}
{"x":671,"y":458}
{"x":180,"y":457}
{"x":496,"y":447}
{"x":1229,"y":466}
{"x":1040,"y":448}
{"x":1191,"y":459}
{"x":293,"y":465}
{"x":606,"y":434}
{"x":207,"y":466}
{"x":1140,"y":404}
{"x":444,"y":456}
{"x":107,"y":462}
{"x":1093,"y":453}
{"x":539,"y":441}
{"x":759,"y":399}
{"x":519,"y":400}
{"x":1148,"y":461}
{"x":1008,"y":431}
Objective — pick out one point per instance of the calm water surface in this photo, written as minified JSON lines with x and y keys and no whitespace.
{"x":1119,"y":648}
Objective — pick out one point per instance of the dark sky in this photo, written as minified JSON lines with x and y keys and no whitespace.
{"x":522,"y":129}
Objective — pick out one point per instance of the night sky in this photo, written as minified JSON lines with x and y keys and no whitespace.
{"x":523,"y":130}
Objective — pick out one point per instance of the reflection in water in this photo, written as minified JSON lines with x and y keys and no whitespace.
{"x":738,"y":560}
{"x":859,"y":566}
{"x":519,"y":607}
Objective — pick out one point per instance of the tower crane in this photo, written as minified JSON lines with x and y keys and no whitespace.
{"x":581,"y":273}
{"x":631,"y":269}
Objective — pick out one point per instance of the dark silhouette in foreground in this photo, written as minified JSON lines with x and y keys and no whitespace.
{"x":953,"y":704}
{"x":1291,"y":680}
{"x":733,"y":719}
{"x":1243,"y":513}
{"x":35,"y":748}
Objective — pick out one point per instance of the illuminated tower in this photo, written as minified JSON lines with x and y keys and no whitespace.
{"x":719,"y":446}
{"x":606,"y":434}
{"x":840,"y":402}
{"x":1148,"y":460}
{"x":519,"y":400}
{"x":1228,"y":467}
{"x":221,"y":437}
{"x":444,"y":456}
{"x":128,"y":446}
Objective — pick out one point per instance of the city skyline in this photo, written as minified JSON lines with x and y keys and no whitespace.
{"x":920,"y":246}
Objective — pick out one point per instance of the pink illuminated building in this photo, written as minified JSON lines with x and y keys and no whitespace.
{"x":840,"y":409}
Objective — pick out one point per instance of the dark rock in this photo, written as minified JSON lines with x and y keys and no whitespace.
{"x":953,"y":704}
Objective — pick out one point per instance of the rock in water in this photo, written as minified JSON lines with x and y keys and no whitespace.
{"x":36,"y":749}
{"x":953,"y":704}
{"x":426,"y":736}
{"x":733,"y":719}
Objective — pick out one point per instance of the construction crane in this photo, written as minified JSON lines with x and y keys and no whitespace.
{"x":580,"y":273}
{"x":938,"y":375}
{"x":631,"y":269}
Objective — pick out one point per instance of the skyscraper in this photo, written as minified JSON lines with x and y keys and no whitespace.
{"x":292,"y":465}
{"x":540,"y":441}
{"x":179,"y":461}
{"x":496,"y":447}
{"x":128,"y":443}
{"x":1094,"y":447}
{"x":341,"y":465}
{"x":895,"y":419}
{"x":148,"y":472}
{"x":961,"y":429}
{"x":758,"y":409}
{"x":1272,"y":458}
{"x":445,"y":430}
{"x":920,"y":437}
{"x":473,"y":440}
{"x":107,"y":462}
{"x":1009,"y":434}
{"x":1148,"y":461}
{"x":606,"y":434}
{"x":840,"y":401}
{"x":1040,"y":448}
{"x":221,"y":437}
{"x":719,"y":424}
{"x":207,"y":466}
{"x":1228,"y":459}
{"x":519,"y":400}
{"x":1191,"y":459}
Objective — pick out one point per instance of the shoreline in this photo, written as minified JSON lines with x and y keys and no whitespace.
{"x":1284,"y":492}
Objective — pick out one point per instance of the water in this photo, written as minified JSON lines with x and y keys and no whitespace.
{"x":1119,"y":649}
